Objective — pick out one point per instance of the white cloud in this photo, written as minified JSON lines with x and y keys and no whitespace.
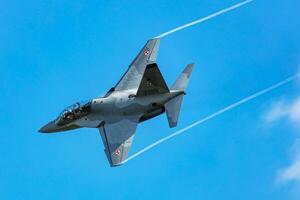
{"x":282,"y":109}
{"x":294,"y":111}
{"x":276,"y":112}
{"x":292,"y":172}
{"x":298,"y":78}
{"x":291,"y":112}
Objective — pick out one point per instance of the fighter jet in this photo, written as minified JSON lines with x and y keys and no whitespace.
{"x":140,"y":95}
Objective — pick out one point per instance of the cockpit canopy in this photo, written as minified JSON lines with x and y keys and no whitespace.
{"x":74,"y":112}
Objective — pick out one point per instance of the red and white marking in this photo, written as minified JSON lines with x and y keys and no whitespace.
{"x":147,"y":52}
{"x":118,"y":152}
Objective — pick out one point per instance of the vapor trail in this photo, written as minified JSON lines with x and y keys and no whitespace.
{"x":205,"y":18}
{"x":213,"y":115}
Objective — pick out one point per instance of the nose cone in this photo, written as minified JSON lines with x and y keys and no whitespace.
{"x":49,"y":128}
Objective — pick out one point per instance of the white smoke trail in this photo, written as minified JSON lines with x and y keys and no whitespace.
{"x":213,"y":115}
{"x":205,"y":18}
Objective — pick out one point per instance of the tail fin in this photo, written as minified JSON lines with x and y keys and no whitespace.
{"x":173,"y":106}
{"x":183,"y":79}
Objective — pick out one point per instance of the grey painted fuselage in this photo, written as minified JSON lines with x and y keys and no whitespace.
{"x":114,"y":108}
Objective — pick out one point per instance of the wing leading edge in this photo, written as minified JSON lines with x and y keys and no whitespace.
{"x":134,"y":74}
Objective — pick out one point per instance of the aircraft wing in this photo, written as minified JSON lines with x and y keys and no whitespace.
{"x":117,"y":138}
{"x":133,"y":76}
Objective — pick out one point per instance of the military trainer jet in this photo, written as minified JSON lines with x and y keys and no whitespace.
{"x":140,"y":94}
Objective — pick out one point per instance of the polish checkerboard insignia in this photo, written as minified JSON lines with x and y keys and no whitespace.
{"x":146,"y":52}
{"x":117,"y":152}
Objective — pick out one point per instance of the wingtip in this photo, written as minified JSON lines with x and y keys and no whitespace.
{"x":116,"y":164}
{"x":156,"y":39}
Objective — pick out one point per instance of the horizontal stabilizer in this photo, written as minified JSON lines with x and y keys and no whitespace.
{"x":183,"y":79}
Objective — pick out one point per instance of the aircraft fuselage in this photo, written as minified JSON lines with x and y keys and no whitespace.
{"x":113,"y":108}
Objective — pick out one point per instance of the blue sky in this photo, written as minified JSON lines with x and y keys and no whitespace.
{"x":54,"y":53}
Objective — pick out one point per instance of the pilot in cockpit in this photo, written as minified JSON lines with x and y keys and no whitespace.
{"x":74,"y":112}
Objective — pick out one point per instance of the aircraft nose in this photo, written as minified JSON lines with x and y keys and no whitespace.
{"x":48,"y":128}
